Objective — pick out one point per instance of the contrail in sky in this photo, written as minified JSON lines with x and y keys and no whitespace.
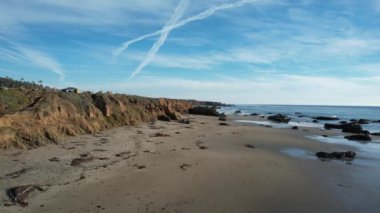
{"x":169,"y":27}
{"x":182,"y":6}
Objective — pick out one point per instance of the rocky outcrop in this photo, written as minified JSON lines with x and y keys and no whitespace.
{"x":349,"y":155}
{"x":203,"y":110}
{"x":333,"y":126}
{"x":346,"y":127}
{"x":279,"y":118}
{"x":52,"y":115}
{"x":325,"y":118}
{"x":358,"y":137}
{"x":352,"y":128}
{"x":363,"y":121}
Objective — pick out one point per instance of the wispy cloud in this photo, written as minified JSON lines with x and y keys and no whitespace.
{"x":266,"y":89}
{"x":42,"y":60}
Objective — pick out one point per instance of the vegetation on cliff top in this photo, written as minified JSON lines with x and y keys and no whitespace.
{"x":32,"y":115}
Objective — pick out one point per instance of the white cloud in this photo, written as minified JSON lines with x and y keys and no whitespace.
{"x":269,"y":89}
{"x":42,"y":60}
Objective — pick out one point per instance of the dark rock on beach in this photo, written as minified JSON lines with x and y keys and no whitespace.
{"x":237,"y":111}
{"x":279,"y":118}
{"x":358,"y":137}
{"x":223,"y":117}
{"x":200,"y":110}
{"x":295,"y":127}
{"x":254,"y":114}
{"x":315,"y":121}
{"x":163,"y":118}
{"x":349,"y":155}
{"x":324,"y":118}
{"x":376,"y":133}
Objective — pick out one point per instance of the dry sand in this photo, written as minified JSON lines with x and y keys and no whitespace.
{"x":197,"y":167}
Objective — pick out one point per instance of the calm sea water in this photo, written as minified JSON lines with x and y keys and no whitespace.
{"x":304,"y":114}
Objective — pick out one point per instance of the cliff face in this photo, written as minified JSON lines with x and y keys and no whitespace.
{"x":34,"y":117}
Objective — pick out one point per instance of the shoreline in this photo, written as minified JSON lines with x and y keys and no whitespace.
{"x":197,"y":167}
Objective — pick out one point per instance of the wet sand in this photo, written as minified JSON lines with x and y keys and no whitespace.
{"x":196,"y":167}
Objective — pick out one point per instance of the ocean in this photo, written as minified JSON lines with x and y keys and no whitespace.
{"x":302,"y":115}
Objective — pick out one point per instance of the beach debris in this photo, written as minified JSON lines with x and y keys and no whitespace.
{"x":184,"y":121}
{"x":202,"y":110}
{"x":79,"y":161}
{"x":279,"y":118}
{"x":348,"y":156}
{"x":139,"y":166}
{"x":19,"y":194}
{"x":54,"y":159}
{"x":201,"y":145}
{"x":159,"y":134}
{"x":326,"y":118}
{"x":358,"y":137}
{"x":15,"y":174}
{"x":295,"y":127}
{"x":164,"y":118}
{"x":99,"y":150}
{"x":223,"y":124}
{"x":250,"y":146}
{"x":125,"y":155}
{"x":185,"y":166}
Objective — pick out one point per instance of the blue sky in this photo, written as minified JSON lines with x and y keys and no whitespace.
{"x":247,"y":51}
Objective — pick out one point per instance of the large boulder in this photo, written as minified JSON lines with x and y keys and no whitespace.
{"x":363,"y":121}
{"x":325,"y":118}
{"x":201,"y":110}
{"x":333,"y":126}
{"x":352,"y":128}
{"x":358,"y":138}
{"x":279,"y":118}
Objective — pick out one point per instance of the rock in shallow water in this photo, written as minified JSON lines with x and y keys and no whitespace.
{"x":349,"y":155}
{"x":279,"y":118}
{"x":324,"y":118}
{"x":358,"y":137}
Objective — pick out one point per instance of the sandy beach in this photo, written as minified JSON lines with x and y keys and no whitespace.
{"x":196,"y":167}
